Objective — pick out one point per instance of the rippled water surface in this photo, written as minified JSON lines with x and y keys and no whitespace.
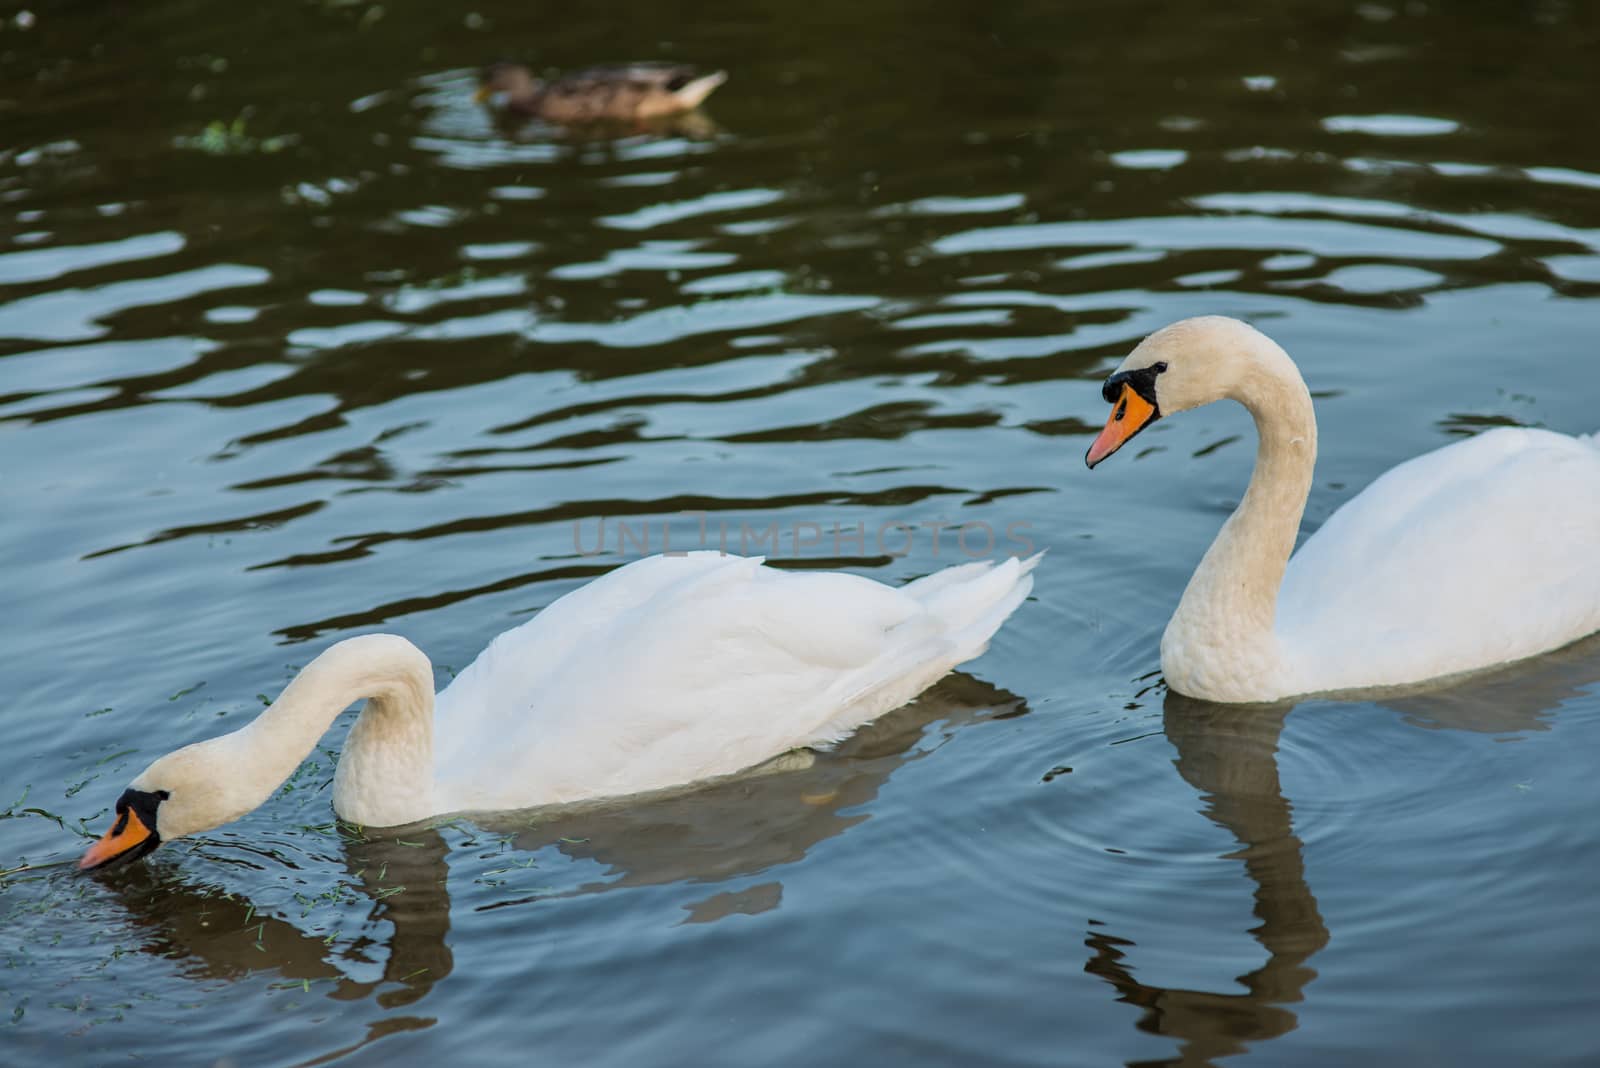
{"x":296,"y":343}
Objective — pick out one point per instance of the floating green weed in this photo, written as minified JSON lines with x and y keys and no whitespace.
{"x":488,"y":878}
{"x":16,"y":811}
{"x":303,"y":985}
{"x":224,"y":138}
{"x":337,"y":894}
{"x":352,"y":832}
{"x":11,"y":810}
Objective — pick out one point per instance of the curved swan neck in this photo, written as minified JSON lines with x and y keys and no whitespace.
{"x":385,"y":772}
{"x":1230,"y":605}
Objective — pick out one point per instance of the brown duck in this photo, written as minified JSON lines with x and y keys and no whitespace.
{"x":598,"y":94}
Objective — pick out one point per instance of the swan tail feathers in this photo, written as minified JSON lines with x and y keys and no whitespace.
{"x":992,"y":599}
{"x":924,"y":588}
{"x":963,"y":608}
{"x":973,"y":600}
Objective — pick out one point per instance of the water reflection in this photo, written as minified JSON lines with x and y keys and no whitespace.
{"x":1231,"y":755}
{"x":691,"y":125}
{"x":751,"y":823}
{"x":1521,"y":697}
{"x":219,"y":933}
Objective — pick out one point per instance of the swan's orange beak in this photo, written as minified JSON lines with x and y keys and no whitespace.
{"x":1129,"y":415}
{"x":483,"y":94}
{"x":128,"y":835}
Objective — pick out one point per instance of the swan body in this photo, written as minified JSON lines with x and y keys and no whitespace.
{"x":1479,"y":553}
{"x":598,"y":94}
{"x":668,"y":670}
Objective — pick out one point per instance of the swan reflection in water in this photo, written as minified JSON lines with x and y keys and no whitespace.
{"x":1229,"y":754}
{"x":758,"y":823}
{"x":708,"y":834}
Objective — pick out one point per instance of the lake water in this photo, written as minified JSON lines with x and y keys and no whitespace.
{"x":296,"y":344}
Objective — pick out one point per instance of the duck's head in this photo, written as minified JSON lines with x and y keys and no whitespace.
{"x":502,"y":82}
{"x":1181,"y":366}
{"x":188,"y":791}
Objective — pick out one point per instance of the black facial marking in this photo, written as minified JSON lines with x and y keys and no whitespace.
{"x":1142,"y":381}
{"x":143,"y":804}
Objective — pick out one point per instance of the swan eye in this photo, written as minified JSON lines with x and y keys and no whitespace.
{"x":1159,"y":366}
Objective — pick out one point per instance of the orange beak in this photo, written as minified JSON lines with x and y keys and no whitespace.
{"x":483,"y":93}
{"x":1131,"y":414}
{"x":127,"y":836}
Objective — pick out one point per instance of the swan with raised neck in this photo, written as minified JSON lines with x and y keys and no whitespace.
{"x":1447,"y":563}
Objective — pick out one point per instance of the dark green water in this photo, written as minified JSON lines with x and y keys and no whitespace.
{"x":354,"y":359}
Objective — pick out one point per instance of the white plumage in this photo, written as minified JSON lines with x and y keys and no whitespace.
{"x":666,"y":671}
{"x":674,"y":669}
{"x":1476,"y":554}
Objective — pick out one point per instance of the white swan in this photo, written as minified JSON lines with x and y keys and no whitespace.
{"x":665,"y":671}
{"x":1479,"y":553}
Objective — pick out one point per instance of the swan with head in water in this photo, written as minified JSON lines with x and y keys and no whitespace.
{"x":1476,"y":554}
{"x":666,"y":671}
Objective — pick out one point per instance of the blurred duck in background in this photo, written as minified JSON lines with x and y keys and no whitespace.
{"x":630,"y":92}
